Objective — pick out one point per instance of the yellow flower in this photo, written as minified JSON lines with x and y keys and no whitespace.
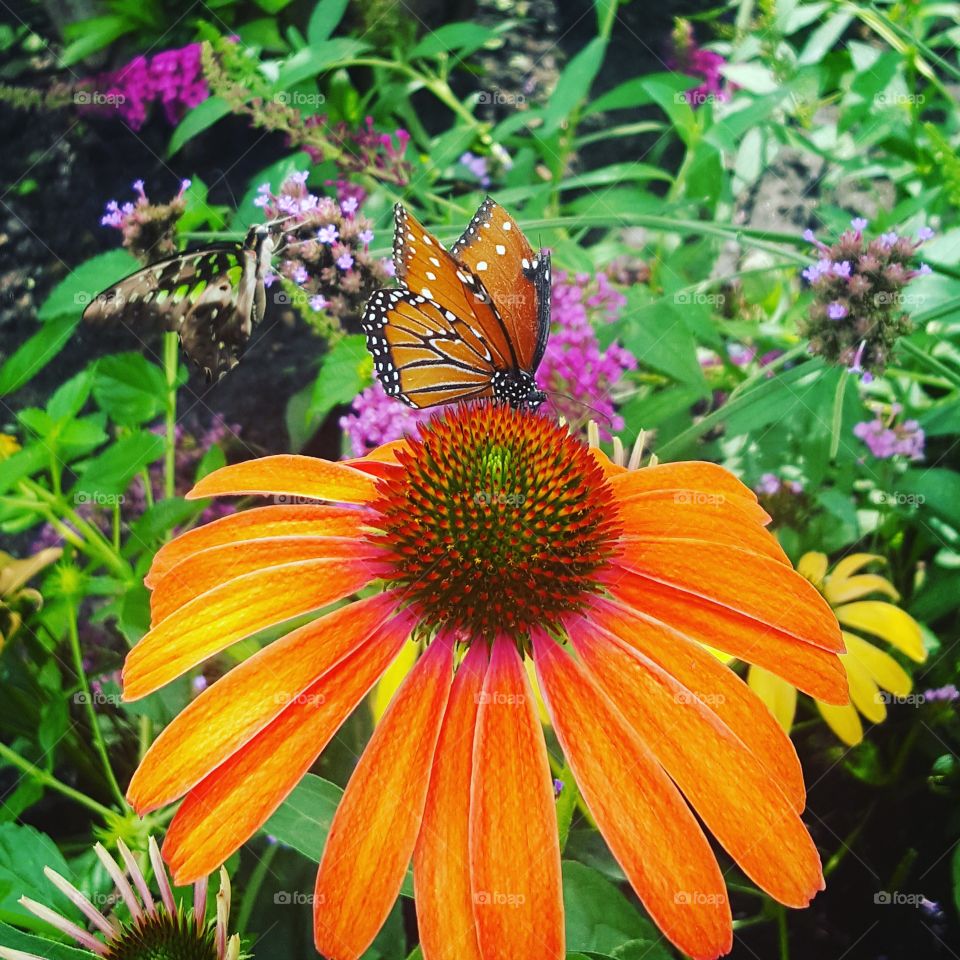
{"x":870,"y":670}
{"x":8,"y":445}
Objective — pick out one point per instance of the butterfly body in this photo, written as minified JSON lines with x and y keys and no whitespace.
{"x":212,"y":297}
{"x":467,"y":324}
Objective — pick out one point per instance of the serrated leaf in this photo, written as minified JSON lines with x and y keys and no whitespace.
{"x":109,"y":474}
{"x":462,"y":38}
{"x":24,"y":852}
{"x":68,"y":399}
{"x":344,"y":372}
{"x":129,"y":388}
{"x":72,"y":294}
{"x":325,"y":18}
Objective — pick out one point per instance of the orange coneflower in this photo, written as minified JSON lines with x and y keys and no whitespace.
{"x":498,"y":536}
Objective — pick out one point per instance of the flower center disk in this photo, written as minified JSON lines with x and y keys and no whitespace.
{"x":164,"y":937}
{"x":499,"y":519}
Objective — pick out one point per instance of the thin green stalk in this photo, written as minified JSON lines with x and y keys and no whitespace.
{"x":929,"y":361}
{"x":836,"y":423}
{"x":98,"y":741}
{"x":784,"y":936}
{"x":259,"y":874}
{"x":49,"y":780}
{"x":171,"y":359}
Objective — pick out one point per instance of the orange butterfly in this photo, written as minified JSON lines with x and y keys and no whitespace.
{"x":467,"y":324}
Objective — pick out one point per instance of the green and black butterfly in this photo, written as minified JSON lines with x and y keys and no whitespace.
{"x":212,"y":297}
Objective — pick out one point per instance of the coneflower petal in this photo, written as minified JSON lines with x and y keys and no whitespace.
{"x":216,"y":566}
{"x":64,"y":925}
{"x":273,"y":521}
{"x":714,"y":684}
{"x":726,"y":785}
{"x":641,"y":814}
{"x":227,"y":807}
{"x":376,"y":824}
{"x":139,"y":881}
{"x":514,"y":851}
{"x":82,"y":903}
{"x":238,"y":609}
{"x":234,"y":709}
{"x":811,"y":668}
{"x":690,"y":476}
{"x":119,"y":880}
{"x":444,"y":898}
{"x":754,"y":586}
{"x":288,"y":475}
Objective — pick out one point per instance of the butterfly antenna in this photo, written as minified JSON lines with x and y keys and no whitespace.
{"x":600,"y":415}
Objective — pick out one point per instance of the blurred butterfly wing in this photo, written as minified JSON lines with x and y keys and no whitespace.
{"x":201,"y":295}
{"x":423,"y":353}
{"x":425,"y":267}
{"x":494,"y":248}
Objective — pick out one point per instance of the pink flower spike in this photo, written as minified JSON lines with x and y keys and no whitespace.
{"x":116,"y":874}
{"x":160,"y":874}
{"x":136,"y":875}
{"x":81,"y":902}
{"x":64,"y":925}
{"x":200,"y":902}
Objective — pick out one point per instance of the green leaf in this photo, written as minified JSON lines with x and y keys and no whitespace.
{"x":303,"y":820}
{"x":109,"y":474}
{"x":72,"y":294}
{"x":326,"y":15}
{"x":69,"y":398}
{"x":463,"y":38}
{"x":315,"y":59}
{"x":22,"y":464}
{"x":955,"y":873}
{"x":344,"y":372}
{"x":657,"y":333}
{"x":202,"y":116}
{"x":157,"y":521}
{"x":599,"y":918}
{"x":37,"y":946}
{"x":34,"y":354}
{"x":129,"y":388}
{"x":92,"y":35}
{"x":574,"y":85}
{"x":272,"y":6}
{"x":824,"y":38}
{"x":932,"y":488}
{"x":24,"y":852}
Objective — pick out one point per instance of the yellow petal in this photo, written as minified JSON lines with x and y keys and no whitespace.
{"x":535,"y":685}
{"x":894,"y":625}
{"x":852,"y":588}
{"x":779,"y":696}
{"x":850,"y":565}
{"x":843,"y":721}
{"x":392,"y":678}
{"x":884,"y":670}
{"x":813,"y":566}
{"x":864,"y":693}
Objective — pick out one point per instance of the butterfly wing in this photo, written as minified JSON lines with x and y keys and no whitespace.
{"x":423,"y":353}
{"x":494,"y":248}
{"x":201,"y":295}
{"x":425,"y":267}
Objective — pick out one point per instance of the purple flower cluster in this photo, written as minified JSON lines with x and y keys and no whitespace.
{"x":478,"y":166}
{"x":687,"y":57}
{"x":887,"y":439}
{"x":376,"y":418}
{"x":326,"y":248}
{"x":770,"y":484}
{"x":857,"y":313}
{"x":365,"y":150}
{"x":174,"y":78}
{"x":149,"y":229}
{"x":576,"y":373}
{"x":947,"y":694}
{"x":578,"y":376}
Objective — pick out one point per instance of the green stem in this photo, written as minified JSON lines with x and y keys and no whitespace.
{"x":929,"y":361}
{"x":836,"y":423}
{"x":170,"y":367}
{"x":98,"y":741}
{"x":784,"y":936}
{"x":49,"y":780}
{"x":260,"y":872}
